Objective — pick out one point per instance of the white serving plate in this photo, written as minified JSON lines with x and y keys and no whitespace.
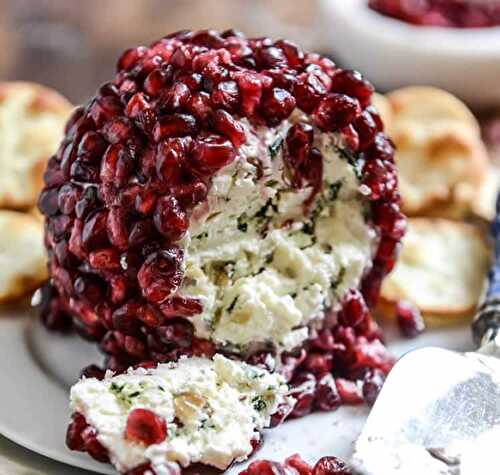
{"x":393,"y":54}
{"x":37,"y":368}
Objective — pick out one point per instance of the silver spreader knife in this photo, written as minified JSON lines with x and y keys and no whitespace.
{"x":439,"y":410}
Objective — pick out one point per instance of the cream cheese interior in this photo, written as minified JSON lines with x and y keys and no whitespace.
{"x":265,"y":272}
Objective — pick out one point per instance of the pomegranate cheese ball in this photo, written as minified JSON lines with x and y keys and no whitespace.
{"x":230,"y":195}
{"x":194,"y":411}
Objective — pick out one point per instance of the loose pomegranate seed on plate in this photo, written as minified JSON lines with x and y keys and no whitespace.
{"x":409,"y":319}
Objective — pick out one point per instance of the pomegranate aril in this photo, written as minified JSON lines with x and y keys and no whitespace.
{"x":354,"y":309}
{"x":299,"y":141}
{"x":308,"y":91}
{"x":181,"y":307}
{"x":117,"y":229}
{"x":161,"y":275}
{"x":176,"y":97}
{"x":93,"y":447}
{"x":294,"y":55}
{"x":67,"y":198}
{"x":303,"y":391}
{"x":130,"y":57}
{"x":125,"y":318}
{"x":91,"y":145}
{"x":302,"y":467}
{"x":230,"y":127}
{"x":349,"y":391}
{"x":94,"y":233}
{"x":170,"y":219}
{"x":409,"y":319}
{"x":271,"y":57}
{"x":145,"y":427}
{"x":277,"y":105}
{"x":118,"y":130}
{"x":105,"y":259}
{"x":366,"y":128}
{"x":74,"y":439}
{"x":211,"y":154}
{"x":116,"y":165}
{"x":372,"y":385}
{"x":353,"y":84}
{"x":336,"y":111}
{"x":200,"y":106}
{"x":226,"y":96}
{"x":48,"y":202}
{"x":327,"y":397}
{"x":331,"y":466}
{"x":175,"y":125}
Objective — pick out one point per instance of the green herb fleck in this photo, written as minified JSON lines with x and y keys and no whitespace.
{"x":242,"y":225}
{"x":339,"y":279}
{"x":231,"y":306}
{"x":351,"y":159}
{"x":275,"y":147}
{"x":259,"y":404}
{"x":334,"y":189}
{"x":134,"y":394}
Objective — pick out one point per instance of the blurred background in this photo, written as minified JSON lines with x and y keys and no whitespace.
{"x":73,"y":46}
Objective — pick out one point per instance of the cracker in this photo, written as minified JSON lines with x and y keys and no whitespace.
{"x":441,"y":158}
{"x":442,"y":269}
{"x":32,"y":119}
{"x":23,"y":259}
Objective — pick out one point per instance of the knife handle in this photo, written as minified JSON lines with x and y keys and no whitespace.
{"x":486,"y":324}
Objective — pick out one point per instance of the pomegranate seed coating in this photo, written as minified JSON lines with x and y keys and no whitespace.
{"x":139,"y":158}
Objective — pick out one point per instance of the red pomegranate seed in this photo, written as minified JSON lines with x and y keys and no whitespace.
{"x":336,"y":111}
{"x":294,"y":461}
{"x":226,"y":96}
{"x":161,"y":275}
{"x":157,"y":81}
{"x":130,"y":58}
{"x":211,"y":154}
{"x":372,"y":384}
{"x":181,"y":307}
{"x":294,"y":55}
{"x":353,"y":84}
{"x":299,"y":141}
{"x":105,"y":259}
{"x":366,"y":128}
{"x":349,"y":391}
{"x":74,"y":439}
{"x":175,"y":125}
{"x":170,"y":156}
{"x":199,"y":105}
{"x":354,"y":309}
{"x":93,"y":447}
{"x":409,"y":319}
{"x":145,"y":427}
{"x":331,"y":466}
{"x":176,"y":97}
{"x":170,"y":219}
{"x":303,"y":390}
{"x":230,"y":127}
{"x":91,"y":145}
{"x":117,"y":229}
{"x":277,"y":105}
{"x":48,"y":202}
{"x":327,"y":397}
{"x":118,"y":130}
{"x":308,"y":91}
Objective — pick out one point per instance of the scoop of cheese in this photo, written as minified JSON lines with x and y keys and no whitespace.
{"x":213,"y":410}
{"x":265,"y":266}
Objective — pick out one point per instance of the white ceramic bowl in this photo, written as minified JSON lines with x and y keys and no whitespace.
{"x":392,"y":53}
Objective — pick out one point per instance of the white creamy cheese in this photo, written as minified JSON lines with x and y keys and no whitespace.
{"x":264,"y":271}
{"x":213,"y":409}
